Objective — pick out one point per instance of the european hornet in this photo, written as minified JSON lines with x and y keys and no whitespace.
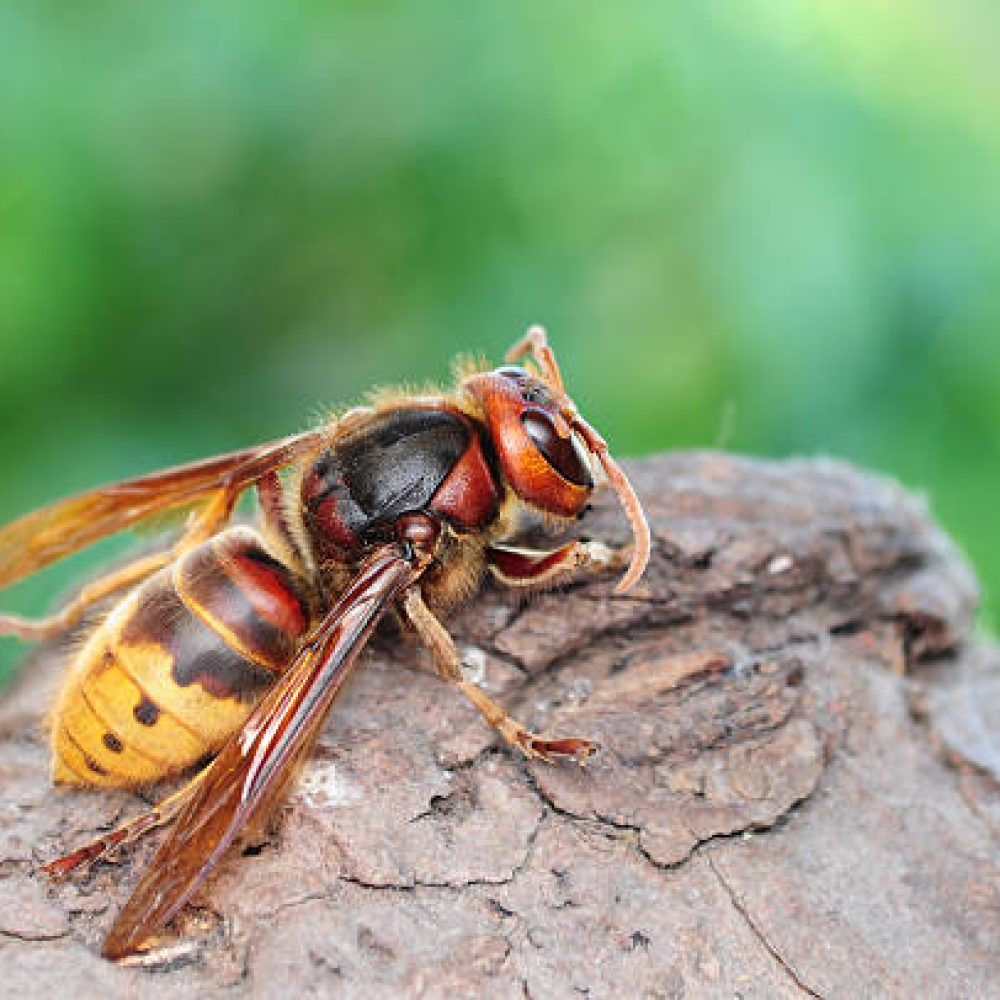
{"x":231,"y":645}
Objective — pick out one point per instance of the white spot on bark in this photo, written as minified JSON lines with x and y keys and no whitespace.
{"x":780,"y":564}
{"x":324,"y":786}
{"x":474,"y":664}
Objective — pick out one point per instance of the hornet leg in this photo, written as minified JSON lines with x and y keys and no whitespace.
{"x":520,"y":567}
{"x":201,"y":526}
{"x":449,"y":664}
{"x":161,"y":814}
{"x":46,"y":628}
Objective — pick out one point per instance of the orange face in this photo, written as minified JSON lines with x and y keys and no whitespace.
{"x":542,"y":456}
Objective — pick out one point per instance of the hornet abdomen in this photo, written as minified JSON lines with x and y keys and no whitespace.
{"x":177,"y":666}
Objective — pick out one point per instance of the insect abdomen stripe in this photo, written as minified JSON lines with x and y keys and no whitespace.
{"x":242,"y":593}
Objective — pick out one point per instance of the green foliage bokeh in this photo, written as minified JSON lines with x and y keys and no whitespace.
{"x":772,"y":227}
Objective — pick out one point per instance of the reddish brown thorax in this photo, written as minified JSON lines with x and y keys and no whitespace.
{"x":411,"y":458}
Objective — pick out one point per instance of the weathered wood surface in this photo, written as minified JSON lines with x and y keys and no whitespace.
{"x":797,"y":794}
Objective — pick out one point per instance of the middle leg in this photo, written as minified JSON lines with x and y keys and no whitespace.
{"x":442,"y":647}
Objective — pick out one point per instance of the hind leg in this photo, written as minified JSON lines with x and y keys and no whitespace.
{"x":202,"y":524}
{"x":160,"y":815}
{"x":46,"y":628}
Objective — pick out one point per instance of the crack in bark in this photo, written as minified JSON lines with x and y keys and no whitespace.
{"x":421,"y":883}
{"x":759,"y":934}
{"x":576,"y":818}
{"x":457,"y":886}
{"x":27,"y":936}
{"x":703,"y":844}
{"x":292,"y":904}
{"x":501,"y":656}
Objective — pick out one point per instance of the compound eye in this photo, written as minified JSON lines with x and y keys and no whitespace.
{"x":532,"y":391}
{"x":564,"y":454}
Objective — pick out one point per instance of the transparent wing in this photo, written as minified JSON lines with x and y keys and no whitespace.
{"x":37,"y":539}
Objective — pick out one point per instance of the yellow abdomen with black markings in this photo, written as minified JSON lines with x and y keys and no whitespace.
{"x":178,"y":665}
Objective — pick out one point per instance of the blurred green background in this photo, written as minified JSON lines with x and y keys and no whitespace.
{"x":772,"y":227}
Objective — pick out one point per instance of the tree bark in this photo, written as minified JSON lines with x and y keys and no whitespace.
{"x":797,"y":792}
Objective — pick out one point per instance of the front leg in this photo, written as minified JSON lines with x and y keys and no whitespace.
{"x":522,"y":567}
{"x":442,"y":647}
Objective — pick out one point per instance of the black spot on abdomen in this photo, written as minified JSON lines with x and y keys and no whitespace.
{"x":94,"y":766}
{"x":146,"y":712}
{"x":112,"y":742}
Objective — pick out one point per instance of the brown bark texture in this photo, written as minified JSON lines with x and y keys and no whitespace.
{"x":797,"y":792}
